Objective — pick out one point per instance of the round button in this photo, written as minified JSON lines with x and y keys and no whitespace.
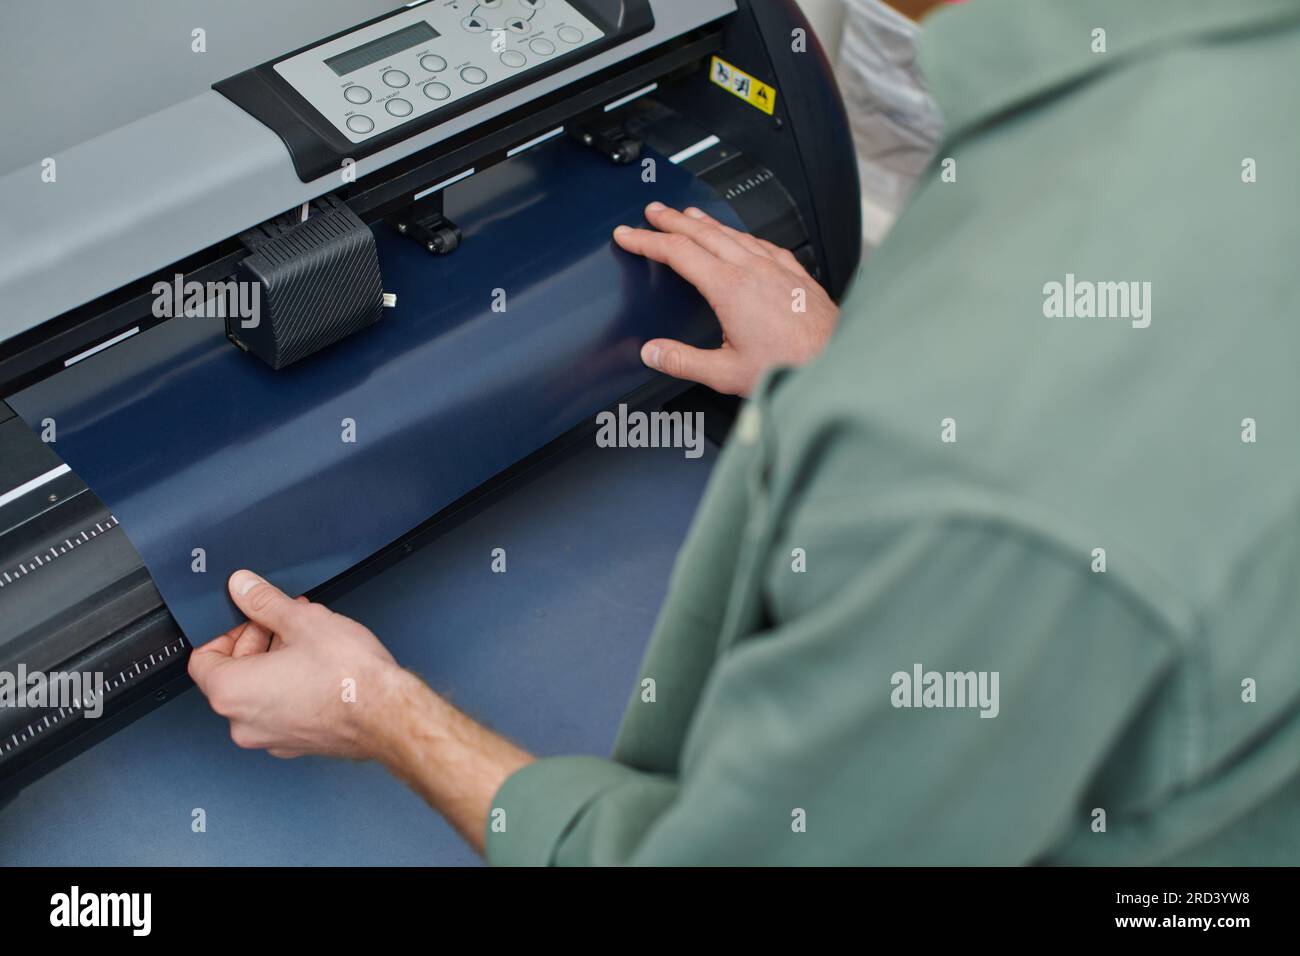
{"x":516,"y":25}
{"x":542,"y":46}
{"x":360,"y":124}
{"x":570,"y":34}
{"x":357,"y":94}
{"x":399,"y":107}
{"x":473,"y":24}
{"x":437,"y":91}
{"x":396,"y":78}
{"x":473,"y":75}
{"x":433,"y":63}
{"x":513,"y":58}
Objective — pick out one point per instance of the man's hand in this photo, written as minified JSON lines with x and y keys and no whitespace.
{"x":296,"y":678}
{"x":771,"y":310}
{"x":299,"y":679}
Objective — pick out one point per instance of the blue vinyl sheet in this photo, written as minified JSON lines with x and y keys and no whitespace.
{"x":546,"y":654}
{"x":194,"y":444}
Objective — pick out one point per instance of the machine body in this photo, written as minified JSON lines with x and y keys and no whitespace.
{"x":207,"y":190}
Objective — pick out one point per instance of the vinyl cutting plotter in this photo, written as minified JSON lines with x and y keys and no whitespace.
{"x":219,"y":231}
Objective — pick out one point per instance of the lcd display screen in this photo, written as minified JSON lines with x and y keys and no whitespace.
{"x":381,"y":49}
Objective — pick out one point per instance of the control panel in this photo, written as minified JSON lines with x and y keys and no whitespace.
{"x":425,"y":59}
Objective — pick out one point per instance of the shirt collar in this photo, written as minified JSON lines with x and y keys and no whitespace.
{"x":985,"y":57}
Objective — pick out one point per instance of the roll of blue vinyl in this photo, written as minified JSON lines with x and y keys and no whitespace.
{"x":212,"y":461}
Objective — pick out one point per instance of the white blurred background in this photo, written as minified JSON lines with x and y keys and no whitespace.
{"x":827,"y":18}
{"x":896,"y":125}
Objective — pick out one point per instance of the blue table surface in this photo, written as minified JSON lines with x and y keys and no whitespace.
{"x":546,"y":653}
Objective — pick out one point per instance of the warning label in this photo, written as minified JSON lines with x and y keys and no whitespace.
{"x":753,"y":91}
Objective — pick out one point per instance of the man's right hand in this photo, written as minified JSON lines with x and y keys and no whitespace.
{"x":299,"y":679}
{"x":772,"y":311}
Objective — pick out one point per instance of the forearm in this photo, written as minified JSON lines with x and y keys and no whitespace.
{"x":456,"y":764}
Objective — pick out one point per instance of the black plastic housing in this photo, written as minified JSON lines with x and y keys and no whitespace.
{"x":807,"y":143}
{"x":319,"y":282}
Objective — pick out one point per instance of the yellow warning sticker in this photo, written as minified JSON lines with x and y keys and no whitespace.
{"x":753,"y":91}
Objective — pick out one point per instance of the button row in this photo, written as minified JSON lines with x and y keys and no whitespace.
{"x":478,"y":25}
{"x":397,"y":106}
{"x":473,"y":75}
{"x":568,"y":34}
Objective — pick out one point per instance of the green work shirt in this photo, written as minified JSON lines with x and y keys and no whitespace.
{"x":1086,"y":491}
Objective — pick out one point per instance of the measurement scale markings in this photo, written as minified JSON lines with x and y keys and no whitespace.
{"x":70,"y":544}
{"x":49,"y":720}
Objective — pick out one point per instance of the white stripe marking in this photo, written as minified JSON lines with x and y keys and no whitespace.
{"x":631,"y":96}
{"x":706,"y":143}
{"x":100,"y":347}
{"x":535,"y":142}
{"x":445,"y":183}
{"x":32,"y":485}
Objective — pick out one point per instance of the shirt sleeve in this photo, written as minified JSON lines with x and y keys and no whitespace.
{"x":812,"y":744}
